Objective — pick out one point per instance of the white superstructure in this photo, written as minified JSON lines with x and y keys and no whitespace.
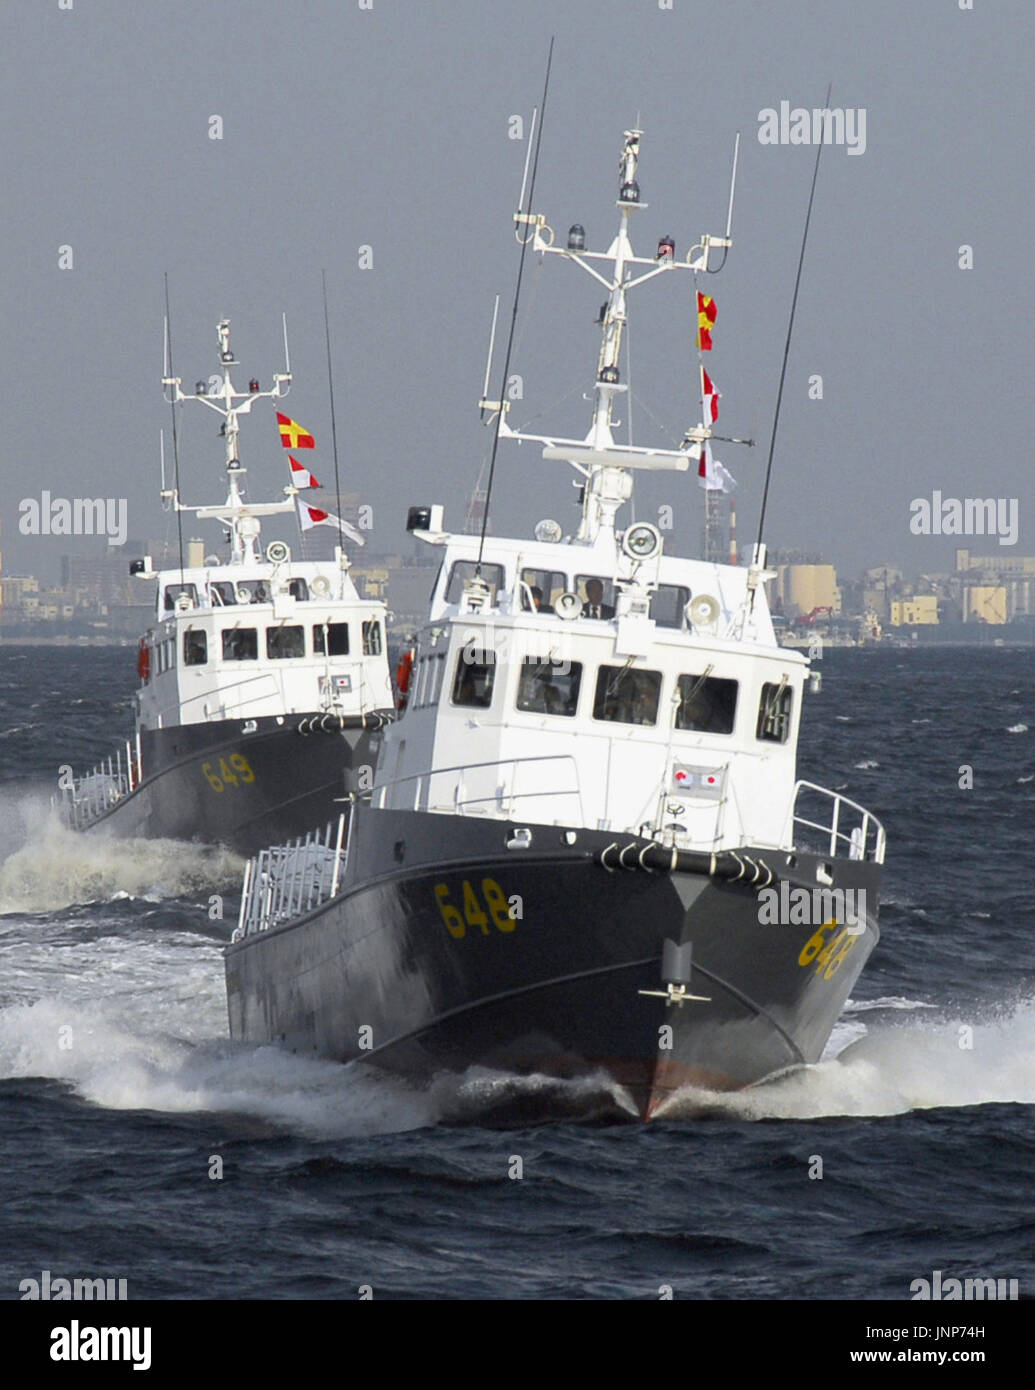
{"x":592,"y":680}
{"x":260,"y":633}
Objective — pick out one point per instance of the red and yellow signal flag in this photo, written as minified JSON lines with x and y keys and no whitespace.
{"x":706,"y":312}
{"x":292,"y":435}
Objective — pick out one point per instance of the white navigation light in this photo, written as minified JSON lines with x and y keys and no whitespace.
{"x":641,"y":541}
{"x":576,"y":237}
{"x":567,"y":606}
{"x":548,"y":530}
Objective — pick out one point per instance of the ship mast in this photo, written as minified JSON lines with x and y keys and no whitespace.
{"x":239,"y":516}
{"x":605,"y":465}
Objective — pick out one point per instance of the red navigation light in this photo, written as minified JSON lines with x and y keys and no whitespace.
{"x":253,"y":385}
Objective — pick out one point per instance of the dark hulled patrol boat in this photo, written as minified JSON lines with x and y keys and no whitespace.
{"x":264,"y":680}
{"x":587,"y":847}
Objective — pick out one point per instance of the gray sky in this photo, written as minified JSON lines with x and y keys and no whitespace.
{"x":388,"y":127}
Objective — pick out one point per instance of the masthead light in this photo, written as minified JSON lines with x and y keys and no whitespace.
{"x":576,"y":237}
{"x":608,"y":375}
{"x":630,"y":192}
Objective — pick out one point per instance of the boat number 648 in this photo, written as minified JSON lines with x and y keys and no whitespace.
{"x":829,"y":955}
{"x":474,"y":915}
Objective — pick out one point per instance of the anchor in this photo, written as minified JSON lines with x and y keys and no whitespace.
{"x":675,"y":973}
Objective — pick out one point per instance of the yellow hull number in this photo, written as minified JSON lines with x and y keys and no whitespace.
{"x":828,"y":956}
{"x":473,"y":914}
{"x":231,"y":774}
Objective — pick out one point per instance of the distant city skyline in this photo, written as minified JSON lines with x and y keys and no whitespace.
{"x":386,"y":146}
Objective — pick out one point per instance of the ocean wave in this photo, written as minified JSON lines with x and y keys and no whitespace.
{"x":52,"y":867}
{"x":895,"y":1067}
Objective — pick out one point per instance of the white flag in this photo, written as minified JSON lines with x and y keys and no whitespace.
{"x":308,"y":517}
{"x":710,"y":473}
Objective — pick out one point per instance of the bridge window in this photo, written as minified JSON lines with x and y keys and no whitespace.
{"x":438,"y":672}
{"x":706,"y":704}
{"x":596,"y":592}
{"x":240,"y":644}
{"x":774,"y":713}
{"x":175,"y":591}
{"x":285,"y":642}
{"x":667,"y":604}
{"x":549,"y":687}
{"x":428,"y":679}
{"x":419,"y":677}
{"x":372,"y":638}
{"x":465,"y":569}
{"x":331,"y":639}
{"x":550,"y":584}
{"x":257,"y":591}
{"x":475,"y":673}
{"x":222,"y":592}
{"x":625,"y":696}
{"x":195,"y":648}
{"x":299,"y":589}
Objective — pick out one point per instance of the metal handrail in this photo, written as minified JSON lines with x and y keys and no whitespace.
{"x":458,"y":802}
{"x":857,"y":839}
{"x":94,"y":793}
{"x":287,"y":881}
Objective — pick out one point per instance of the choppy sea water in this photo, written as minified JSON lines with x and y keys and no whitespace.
{"x":119,"y":1089}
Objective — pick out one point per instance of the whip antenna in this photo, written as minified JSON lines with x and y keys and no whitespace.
{"x":514,"y":311}
{"x":176,"y":447}
{"x":787,"y":344}
{"x":330,"y":388}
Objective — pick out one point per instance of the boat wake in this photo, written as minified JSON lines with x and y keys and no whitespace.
{"x":109,"y":1059}
{"x":507,"y":1100}
{"x":255,"y":1091}
{"x":51,"y":867}
{"x":895,"y":1065}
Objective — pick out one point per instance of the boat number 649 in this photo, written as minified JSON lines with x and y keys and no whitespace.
{"x":238,"y":771}
{"x":474,"y":915}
